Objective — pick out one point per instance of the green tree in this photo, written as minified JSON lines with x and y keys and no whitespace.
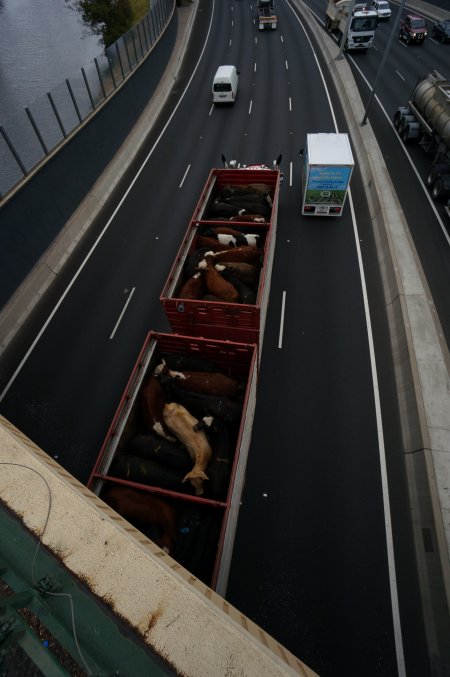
{"x":108,"y":18}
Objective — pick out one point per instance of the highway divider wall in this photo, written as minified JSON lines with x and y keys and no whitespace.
{"x":420,"y":356}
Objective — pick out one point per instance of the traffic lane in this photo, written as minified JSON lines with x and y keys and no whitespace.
{"x":125,"y":260}
{"x":75,"y":354}
{"x":296,"y":101}
{"x":405,"y":64}
{"x":407,"y":580}
{"x":309,"y":563}
{"x":430,"y":234}
{"x":66,"y":394}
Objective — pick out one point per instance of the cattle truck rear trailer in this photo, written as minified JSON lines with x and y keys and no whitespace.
{"x":327,"y":169}
{"x":240,"y":321}
{"x":203,"y":525}
{"x":426,"y":120}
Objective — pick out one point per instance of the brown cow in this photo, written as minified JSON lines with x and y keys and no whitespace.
{"x":152,"y":401}
{"x":144,"y":509}
{"x":212,"y":243}
{"x":215,"y":284}
{"x":193,"y":288}
{"x":246,"y":254}
{"x":206,"y":383}
{"x":245,"y":272}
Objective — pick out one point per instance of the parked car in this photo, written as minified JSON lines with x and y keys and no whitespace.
{"x":413,"y":29}
{"x":441,"y":31}
{"x":382,"y":8}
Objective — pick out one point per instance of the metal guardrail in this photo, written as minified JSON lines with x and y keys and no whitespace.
{"x":35,"y":132}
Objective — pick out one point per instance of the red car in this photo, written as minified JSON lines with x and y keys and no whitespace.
{"x":413,"y":29}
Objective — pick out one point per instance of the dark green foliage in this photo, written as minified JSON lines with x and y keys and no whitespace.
{"x":108,"y":18}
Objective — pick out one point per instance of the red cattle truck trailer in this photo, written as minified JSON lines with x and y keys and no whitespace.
{"x":140,"y":473}
{"x":241,"y":319}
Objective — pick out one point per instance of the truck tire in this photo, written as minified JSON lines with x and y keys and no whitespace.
{"x":397,"y":119}
{"x":328,"y":24}
{"x":405,"y":134}
{"x":437,"y":190}
{"x":433,"y":175}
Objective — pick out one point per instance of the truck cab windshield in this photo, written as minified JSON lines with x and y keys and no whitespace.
{"x":366,"y":23}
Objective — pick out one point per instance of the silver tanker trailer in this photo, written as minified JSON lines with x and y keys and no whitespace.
{"x":426,"y":119}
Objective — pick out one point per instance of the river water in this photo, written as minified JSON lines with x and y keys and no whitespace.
{"x":42,"y":42}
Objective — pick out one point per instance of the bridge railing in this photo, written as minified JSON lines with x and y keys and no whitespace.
{"x":36,"y":132}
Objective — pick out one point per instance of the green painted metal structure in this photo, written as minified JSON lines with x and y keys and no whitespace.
{"x":50,"y":621}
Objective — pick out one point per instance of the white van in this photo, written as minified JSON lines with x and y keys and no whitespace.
{"x":382,"y":8}
{"x":225,"y":84}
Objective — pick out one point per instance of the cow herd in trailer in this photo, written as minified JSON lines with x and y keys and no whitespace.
{"x":173,"y":460}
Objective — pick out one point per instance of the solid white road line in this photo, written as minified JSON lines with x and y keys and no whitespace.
{"x":122,"y":313}
{"x":283,"y":305}
{"x":184,"y":177}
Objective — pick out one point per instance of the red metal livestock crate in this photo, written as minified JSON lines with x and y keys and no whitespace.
{"x":206,"y":524}
{"x":218,"y":319}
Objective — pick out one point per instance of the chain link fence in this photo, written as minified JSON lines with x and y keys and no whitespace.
{"x":27,"y":140}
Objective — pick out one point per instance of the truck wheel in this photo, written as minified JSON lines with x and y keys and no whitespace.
{"x":401,"y":126}
{"x":435,"y":172}
{"x":397,"y":119}
{"x":328,"y":24}
{"x":405,"y":134}
{"x":437,"y":190}
{"x":431,"y":177}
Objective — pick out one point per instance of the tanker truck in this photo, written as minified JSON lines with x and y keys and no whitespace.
{"x":266,"y":16}
{"x":426,"y":120}
{"x":362,"y":27}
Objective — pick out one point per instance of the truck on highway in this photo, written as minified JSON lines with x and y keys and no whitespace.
{"x":426,"y":120}
{"x":361,"y":30}
{"x":327,"y":169}
{"x":265,"y":15}
{"x":173,"y":460}
{"x":142,"y":474}
{"x":254,"y":221}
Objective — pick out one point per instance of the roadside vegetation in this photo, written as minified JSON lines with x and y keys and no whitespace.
{"x":110,"y":19}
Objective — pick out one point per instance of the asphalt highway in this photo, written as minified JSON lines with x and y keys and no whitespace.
{"x":408,"y":165}
{"x":312,"y":562}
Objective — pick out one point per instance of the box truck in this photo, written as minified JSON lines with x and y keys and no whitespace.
{"x":327,"y":168}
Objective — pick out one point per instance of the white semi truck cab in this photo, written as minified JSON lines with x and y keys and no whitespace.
{"x":362,"y":27}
